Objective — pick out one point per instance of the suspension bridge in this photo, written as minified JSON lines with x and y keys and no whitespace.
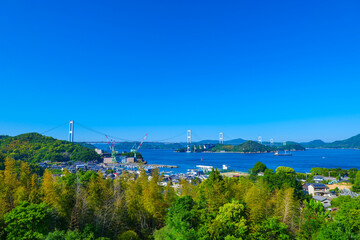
{"x":187,"y":136}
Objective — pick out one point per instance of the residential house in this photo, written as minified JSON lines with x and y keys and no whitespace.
{"x":324,"y":201}
{"x":318,"y":179}
{"x":316,"y":189}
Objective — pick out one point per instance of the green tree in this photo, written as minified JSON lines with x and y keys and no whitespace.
{"x":271,"y":228}
{"x":258,"y":201}
{"x":281,"y":180}
{"x":258,"y":167}
{"x":154,"y":200}
{"x":101,"y":201}
{"x":29,"y":221}
{"x":335,"y":231}
{"x":284,"y":169}
{"x":87,"y":234}
{"x":9,"y":186}
{"x":313,"y":216}
{"x":169,"y":194}
{"x":34,"y":195}
{"x":129,"y":235}
{"x":212,"y":191}
{"x":346,"y":221}
{"x":50,"y":189}
{"x":356,"y":186}
{"x":229,"y":222}
{"x":181,"y":221}
{"x":287,"y":206}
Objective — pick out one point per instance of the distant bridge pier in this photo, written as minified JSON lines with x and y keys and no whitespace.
{"x":188,"y":140}
{"x":71,"y":131}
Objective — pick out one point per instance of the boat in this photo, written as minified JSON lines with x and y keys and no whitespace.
{"x":282,"y":154}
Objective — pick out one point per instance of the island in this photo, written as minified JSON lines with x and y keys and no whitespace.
{"x":246,"y":147}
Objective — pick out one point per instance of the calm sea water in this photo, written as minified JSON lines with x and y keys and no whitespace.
{"x":301,"y":161}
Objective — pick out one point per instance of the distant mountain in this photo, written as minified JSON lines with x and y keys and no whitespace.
{"x":235,"y":141}
{"x":314,"y":144}
{"x":208,"y":142}
{"x":353,"y":142}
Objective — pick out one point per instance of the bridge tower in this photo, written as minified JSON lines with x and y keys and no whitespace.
{"x":260,"y":139}
{"x":188,"y":140}
{"x":71,"y":131}
{"x":221,"y":138}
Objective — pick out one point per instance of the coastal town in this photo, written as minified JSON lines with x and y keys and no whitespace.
{"x":321,"y":188}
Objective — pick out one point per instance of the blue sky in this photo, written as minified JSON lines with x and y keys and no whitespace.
{"x":286,"y":70}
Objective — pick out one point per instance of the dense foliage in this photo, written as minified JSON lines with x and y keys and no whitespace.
{"x":258,"y":167}
{"x":291,"y":146}
{"x":197,"y":148}
{"x":353,"y":142}
{"x":131,"y":154}
{"x":246,"y":147}
{"x":334,"y":172}
{"x":29,"y":221}
{"x":314,"y":144}
{"x":84,"y":205}
{"x":34,"y":147}
{"x":3,"y":136}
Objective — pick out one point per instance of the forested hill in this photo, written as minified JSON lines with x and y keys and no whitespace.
{"x":34,"y":147}
{"x":246,"y":147}
{"x":291,"y":146}
{"x":3,"y":136}
{"x":314,"y":144}
{"x":228,"y":142}
{"x":353,"y":142}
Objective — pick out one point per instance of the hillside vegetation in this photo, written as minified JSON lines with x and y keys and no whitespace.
{"x":291,"y":146}
{"x":246,"y":147}
{"x":353,"y":142}
{"x":85,"y":205}
{"x":34,"y":147}
{"x":233,"y":141}
{"x":314,"y":144}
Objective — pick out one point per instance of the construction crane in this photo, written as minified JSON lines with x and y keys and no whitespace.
{"x":135,"y":150}
{"x":111,"y":144}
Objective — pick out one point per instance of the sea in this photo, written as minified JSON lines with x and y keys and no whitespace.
{"x":300,"y":161}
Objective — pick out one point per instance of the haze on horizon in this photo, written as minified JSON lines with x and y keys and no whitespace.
{"x":287,"y":71}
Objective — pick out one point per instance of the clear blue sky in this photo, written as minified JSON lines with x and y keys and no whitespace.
{"x":283,"y":69}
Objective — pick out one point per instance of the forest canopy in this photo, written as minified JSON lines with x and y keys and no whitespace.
{"x":34,"y":148}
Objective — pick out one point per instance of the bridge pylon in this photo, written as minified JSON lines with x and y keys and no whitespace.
{"x":188,"y":140}
{"x":71,"y":131}
{"x":221,"y":138}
